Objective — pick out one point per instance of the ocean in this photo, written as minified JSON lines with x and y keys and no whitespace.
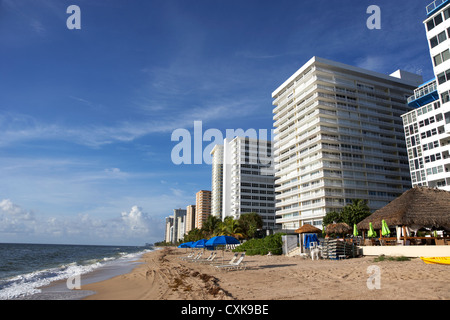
{"x":25,"y":268}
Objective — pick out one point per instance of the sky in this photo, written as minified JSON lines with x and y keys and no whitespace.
{"x":87,"y":115}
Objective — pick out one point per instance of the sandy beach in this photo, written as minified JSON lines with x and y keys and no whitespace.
{"x":164,"y":276}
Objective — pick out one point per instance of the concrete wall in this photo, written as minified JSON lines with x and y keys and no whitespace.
{"x":406,"y":251}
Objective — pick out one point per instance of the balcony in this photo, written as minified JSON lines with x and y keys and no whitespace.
{"x":432,"y":7}
{"x":423,"y":95}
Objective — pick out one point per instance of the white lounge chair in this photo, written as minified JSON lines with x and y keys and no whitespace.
{"x":222,"y":263}
{"x":198,"y":256}
{"x":234,"y":265}
{"x":189,"y":256}
{"x":211,"y":258}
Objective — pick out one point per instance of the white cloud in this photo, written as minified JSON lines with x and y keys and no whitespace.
{"x":136,"y":220}
{"x":135,"y":227}
{"x":14,"y":219}
{"x":372,"y":63}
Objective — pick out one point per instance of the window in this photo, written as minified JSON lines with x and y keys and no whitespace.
{"x":442,"y":37}
{"x":445,"y":55}
{"x":442,"y":57}
{"x":434,"y":42}
{"x":432,"y":23}
{"x":438,"y":20}
{"x":441,"y":78}
{"x":437,"y":60}
{"x":447,"y":14}
{"x":445,"y":97}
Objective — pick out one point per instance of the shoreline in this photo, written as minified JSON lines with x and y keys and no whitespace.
{"x":58,"y":290}
{"x":162,"y":275}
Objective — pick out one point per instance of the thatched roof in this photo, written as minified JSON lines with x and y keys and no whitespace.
{"x":419,"y":206}
{"x":339,"y":228}
{"x":307,"y":228}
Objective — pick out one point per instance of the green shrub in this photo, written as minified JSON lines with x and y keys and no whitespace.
{"x":254,"y":247}
{"x":388,"y":258}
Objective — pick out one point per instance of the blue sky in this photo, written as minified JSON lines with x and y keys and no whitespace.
{"x":86,"y":116}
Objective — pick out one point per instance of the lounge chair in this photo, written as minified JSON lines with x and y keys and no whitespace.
{"x":189,"y":256}
{"x":234,"y":265}
{"x":211,"y":258}
{"x":198,"y":256}
{"x":230,"y":262}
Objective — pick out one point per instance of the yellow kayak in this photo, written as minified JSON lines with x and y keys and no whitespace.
{"x":436,"y":260}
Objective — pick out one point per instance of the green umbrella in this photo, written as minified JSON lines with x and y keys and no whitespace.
{"x":355,"y":230}
{"x":371,"y":233}
{"x":385,"y":229}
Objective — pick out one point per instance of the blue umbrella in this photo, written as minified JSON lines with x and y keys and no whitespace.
{"x":199,"y":244}
{"x":310,"y":238}
{"x":186,"y":245}
{"x":221,"y":240}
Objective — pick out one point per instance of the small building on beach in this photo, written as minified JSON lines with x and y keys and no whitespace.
{"x":421,"y":208}
{"x":417,"y":208}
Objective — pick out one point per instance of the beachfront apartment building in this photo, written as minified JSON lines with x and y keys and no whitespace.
{"x":169,"y":230}
{"x":427,"y":126}
{"x":202,"y":207}
{"x":175,"y":226}
{"x":190,"y":218}
{"x":248,"y":183}
{"x":339,"y":136}
{"x":217,"y":181}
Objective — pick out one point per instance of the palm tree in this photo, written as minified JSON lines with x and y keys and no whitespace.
{"x":250,"y":223}
{"x":231,"y":227}
{"x":355,"y":212}
{"x":194,"y":235}
{"x":211,"y":226}
{"x":351,"y":214}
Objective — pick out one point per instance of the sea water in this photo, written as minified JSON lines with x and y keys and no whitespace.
{"x":26,"y":268}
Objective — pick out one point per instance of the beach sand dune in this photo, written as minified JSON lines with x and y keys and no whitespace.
{"x":164,"y":276}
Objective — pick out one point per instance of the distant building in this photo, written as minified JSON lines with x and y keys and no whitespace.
{"x":169,"y":230}
{"x":248,"y":182}
{"x":202,"y":207}
{"x":190,"y":218}
{"x":175,"y":226}
{"x":217,"y":181}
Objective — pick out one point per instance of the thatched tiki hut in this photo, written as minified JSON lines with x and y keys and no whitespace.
{"x":338,"y":228}
{"x":307,"y":228}
{"x":304,"y":230}
{"x":417,"y":208}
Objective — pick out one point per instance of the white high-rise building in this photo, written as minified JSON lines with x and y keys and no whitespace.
{"x":248,"y":179}
{"x":339,"y":137}
{"x":217,"y":181}
{"x":427,"y":127}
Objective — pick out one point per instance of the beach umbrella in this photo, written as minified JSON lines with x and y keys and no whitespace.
{"x":371,"y":233}
{"x":385,"y":229}
{"x":186,"y":245}
{"x":355,"y":230}
{"x":199,"y":244}
{"x":310,"y":238}
{"x":221,"y":240}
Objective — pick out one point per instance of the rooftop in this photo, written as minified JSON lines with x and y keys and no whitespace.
{"x":435,"y":5}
